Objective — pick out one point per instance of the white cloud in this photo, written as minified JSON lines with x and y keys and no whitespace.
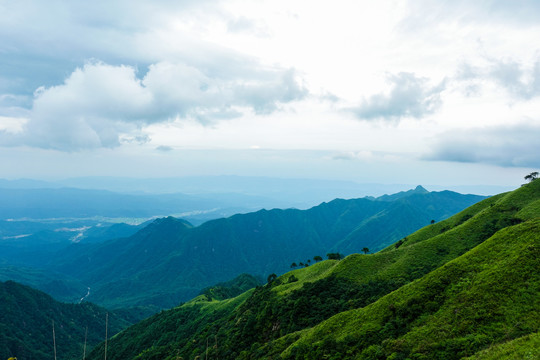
{"x":517,"y":79}
{"x":511,"y":146}
{"x":169,"y":66}
{"x":11,"y":124}
{"x":353,"y":155}
{"x":242,"y":24}
{"x":431,"y":13}
{"x":409,"y":96}
{"x":99,"y":102}
{"x":96,"y":90}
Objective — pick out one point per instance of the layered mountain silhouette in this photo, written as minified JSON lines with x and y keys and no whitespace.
{"x":170,"y":260}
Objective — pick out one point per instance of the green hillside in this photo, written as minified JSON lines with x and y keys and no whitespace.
{"x":525,"y":348}
{"x":171,"y":261}
{"x":467,"y":286}
{"x":26,"y":324}
{"x":472,"y":302}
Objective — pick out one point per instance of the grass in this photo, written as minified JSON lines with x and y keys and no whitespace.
{"x":467,"y":304}
{"x":433,"y":230}
{"x":174,"y":327}
{"x":311,"y":273}
{"x":524,"y":348}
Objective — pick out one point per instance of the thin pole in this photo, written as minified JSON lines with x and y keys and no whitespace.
{"x":217,"y":352}
{"x":54,"y":339}
{"x":84,"y":348}
{"x":106,"y":333}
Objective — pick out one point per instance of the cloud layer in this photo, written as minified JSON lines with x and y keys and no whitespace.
{"x":520,"y":81}
{"x":509,"y":146}
{"x":368,"y":82}
{"x":408,"y":96}
{"x":100,"y":105}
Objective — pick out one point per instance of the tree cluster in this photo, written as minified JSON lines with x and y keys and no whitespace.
{"x":334,"y":256}
{"x":294,"y":265}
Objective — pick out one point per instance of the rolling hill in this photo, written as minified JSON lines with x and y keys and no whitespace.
{"x":170,"y":261}
{"x":465,"y":287}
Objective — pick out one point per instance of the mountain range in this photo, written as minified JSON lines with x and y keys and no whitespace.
{"x":170,"y":260}
{"x":465,"y":287}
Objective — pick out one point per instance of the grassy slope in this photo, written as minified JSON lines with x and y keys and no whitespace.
{"x":469,"y":303}
{"x":158,"y":336}
{"x":525,"y":348}
{"x":472,"y":301}
{"x":422,"y":251}
{"x":434,"y":245}
{"x":415,"y":210}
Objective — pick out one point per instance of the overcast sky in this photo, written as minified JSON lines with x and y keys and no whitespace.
{"x":420,"y":92}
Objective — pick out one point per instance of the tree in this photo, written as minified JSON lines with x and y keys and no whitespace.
{"x":532,"y":176}
{"x":432,"y":222}
{"x":334,"y":256}
{"x":293,"y":265}
{"x":271,"y":278}
{"x":317,"y":258}
{"x":365,"y":250}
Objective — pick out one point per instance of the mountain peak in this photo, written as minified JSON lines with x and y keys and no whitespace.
{"x":417,"y":190}
{"x":166,"y":224}
{"x":172,"y":220}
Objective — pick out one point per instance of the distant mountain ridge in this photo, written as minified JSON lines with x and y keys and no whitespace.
{"x":417,"y":190}
{"x":171,"y":261}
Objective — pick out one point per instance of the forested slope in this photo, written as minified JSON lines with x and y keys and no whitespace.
{"x":26,"y":324}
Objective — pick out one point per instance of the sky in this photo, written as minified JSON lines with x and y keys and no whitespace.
{"x":420,"y":92}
